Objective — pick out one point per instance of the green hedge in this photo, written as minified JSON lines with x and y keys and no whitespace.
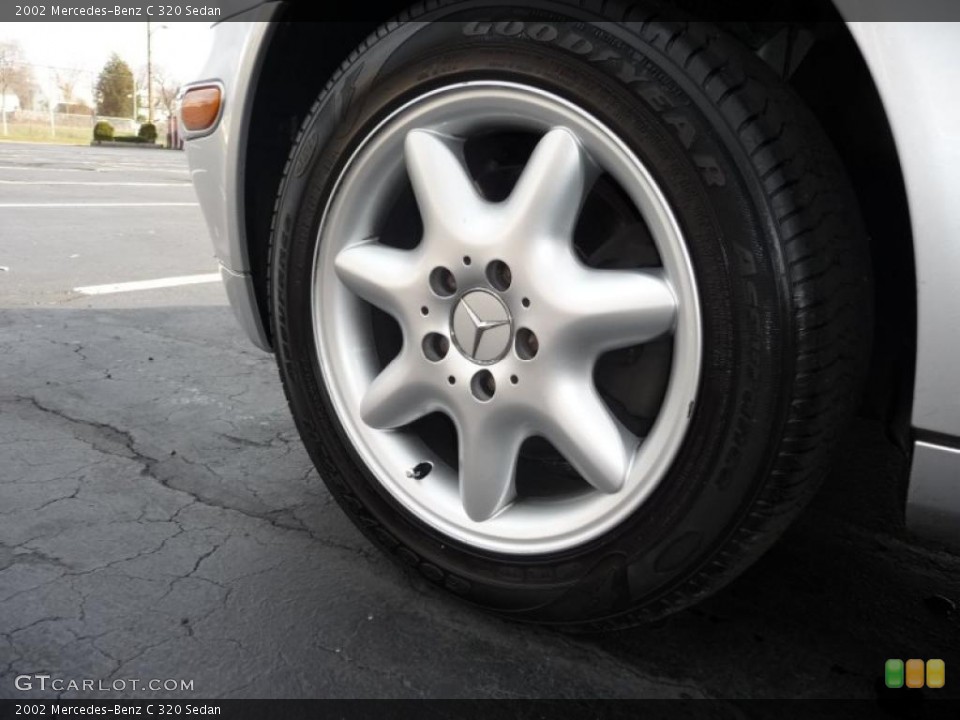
{"x":103,"y":131}
{"x":148,"y":132}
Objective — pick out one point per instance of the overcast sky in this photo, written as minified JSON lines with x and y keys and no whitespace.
{"x":179,"y":48}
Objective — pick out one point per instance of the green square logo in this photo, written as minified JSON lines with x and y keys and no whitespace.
{"x":893,"y":673}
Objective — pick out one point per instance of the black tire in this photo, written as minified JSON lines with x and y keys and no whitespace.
{"x":780,"y":260}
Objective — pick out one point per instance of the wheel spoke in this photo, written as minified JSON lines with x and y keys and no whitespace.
{"x":448,"y":200}
{"x":400,"y":394}
{"x":379,"y":274}
{"x":548,"y":196}
{"x":617,"y":308}
{"x":488,"y":459}
{"x":587,"y":434}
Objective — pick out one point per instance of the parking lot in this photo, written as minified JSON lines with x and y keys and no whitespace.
{"x":160,"y":518}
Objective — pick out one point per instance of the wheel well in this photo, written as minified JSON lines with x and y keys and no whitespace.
{"x":819,"y":59}
{"x":281,"y":101}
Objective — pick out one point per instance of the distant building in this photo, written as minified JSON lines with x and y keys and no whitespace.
{"x":74,"y":108}
{"x":10,"y":102}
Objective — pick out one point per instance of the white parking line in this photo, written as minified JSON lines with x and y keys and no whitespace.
{"x":148,"y":284}
{"x":102,"y":184}
{"x":113,"y":168}
{"x":99,"y":205}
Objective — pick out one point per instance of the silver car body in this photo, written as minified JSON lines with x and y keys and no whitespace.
{"x":914,"y":67}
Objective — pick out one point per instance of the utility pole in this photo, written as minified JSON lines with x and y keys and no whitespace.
{"x":149,"y":77}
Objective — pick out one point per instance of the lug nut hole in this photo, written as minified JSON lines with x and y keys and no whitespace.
{"x":525,"y":302}
{"x":435,"y":347}
{"x":442,"y":282}
{"x":514,"y":379}
{"x":499,"y":275}
{"x":467,"y":260}
{"x":483,"y":386}
{"x":424,"y":311}
{"x":526,"y":344}
{"x":452,"y":380}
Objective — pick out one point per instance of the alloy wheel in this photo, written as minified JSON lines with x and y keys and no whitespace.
{"x":502,"y":319}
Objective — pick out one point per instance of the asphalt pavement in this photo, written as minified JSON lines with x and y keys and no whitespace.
{"x":159,"y":518}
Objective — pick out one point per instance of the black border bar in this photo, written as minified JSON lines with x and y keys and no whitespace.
{"x":213,"y":11}
{"x":910,"y":704}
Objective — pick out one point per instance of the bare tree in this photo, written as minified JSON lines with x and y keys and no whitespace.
{"x":166,"y":88}
{"x":67,"y":80}
{"x":14,"y":74}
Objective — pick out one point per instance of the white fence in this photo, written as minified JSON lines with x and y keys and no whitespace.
{"x":30,"y":124}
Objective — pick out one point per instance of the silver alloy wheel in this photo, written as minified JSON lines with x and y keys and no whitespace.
{"x":506,"y":357}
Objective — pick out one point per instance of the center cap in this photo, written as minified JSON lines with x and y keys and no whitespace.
{"x":481,"y":327}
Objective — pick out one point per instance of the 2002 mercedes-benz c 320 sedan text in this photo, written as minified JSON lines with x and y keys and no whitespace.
{"x":571,"y":303}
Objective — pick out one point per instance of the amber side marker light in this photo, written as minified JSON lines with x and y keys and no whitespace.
{"x":200,"y":107}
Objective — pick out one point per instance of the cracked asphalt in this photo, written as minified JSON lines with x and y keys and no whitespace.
{"x":160,"y":518}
